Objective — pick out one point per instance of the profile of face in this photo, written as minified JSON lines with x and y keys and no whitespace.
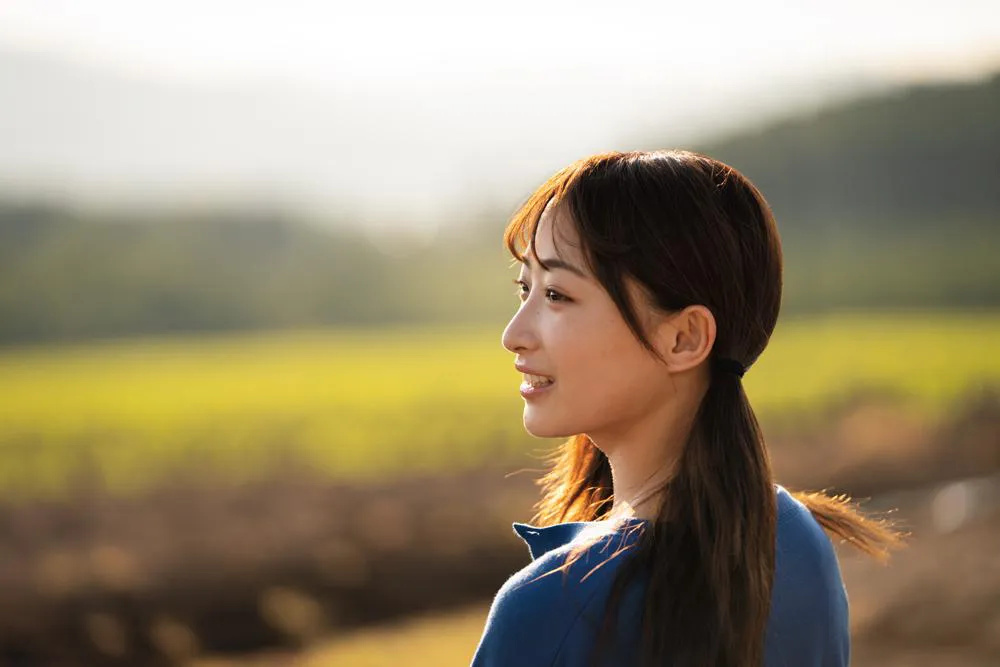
{"x":605,"y":383}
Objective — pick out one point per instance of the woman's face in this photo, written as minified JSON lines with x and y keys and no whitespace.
{"x":568,"y":329}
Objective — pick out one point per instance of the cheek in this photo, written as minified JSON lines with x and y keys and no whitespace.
{"x":607,"y":373}
{"x":603,"y":374}
{"x":609,"y":389}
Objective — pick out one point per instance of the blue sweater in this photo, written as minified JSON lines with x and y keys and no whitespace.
{"x":553,"y":621}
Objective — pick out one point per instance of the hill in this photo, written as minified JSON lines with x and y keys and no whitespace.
{"x":922,"y":156}
{"x":886,"y":202}
{"x":892,"y":200}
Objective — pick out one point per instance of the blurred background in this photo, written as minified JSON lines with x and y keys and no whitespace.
{"x":254,"y":409}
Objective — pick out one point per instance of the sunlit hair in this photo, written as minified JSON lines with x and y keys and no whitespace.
{"x":690,"y":230}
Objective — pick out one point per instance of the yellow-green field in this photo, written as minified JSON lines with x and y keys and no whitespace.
{"x":131,"y":413}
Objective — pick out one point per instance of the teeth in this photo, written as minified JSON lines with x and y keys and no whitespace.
{"x":537,"y":380}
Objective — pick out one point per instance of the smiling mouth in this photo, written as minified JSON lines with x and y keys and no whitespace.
{"x":537,"y":381}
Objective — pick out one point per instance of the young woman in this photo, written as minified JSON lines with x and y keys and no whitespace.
{"x":650,"y":282}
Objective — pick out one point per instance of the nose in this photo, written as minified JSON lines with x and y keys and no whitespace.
{"x":519,"y":335}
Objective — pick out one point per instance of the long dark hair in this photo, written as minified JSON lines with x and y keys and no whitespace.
{"x":691,"y":230}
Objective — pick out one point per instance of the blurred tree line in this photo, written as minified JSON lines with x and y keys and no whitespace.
{"x":67,"y":275}
{"x":891,"y":201}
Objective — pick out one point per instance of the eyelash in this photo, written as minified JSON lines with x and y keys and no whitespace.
{"x":521,"y":286}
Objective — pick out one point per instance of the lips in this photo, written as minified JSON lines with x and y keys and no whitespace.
{"x":533,"y":377}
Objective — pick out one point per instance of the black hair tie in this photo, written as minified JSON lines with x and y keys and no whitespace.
{"x":730,"y":366}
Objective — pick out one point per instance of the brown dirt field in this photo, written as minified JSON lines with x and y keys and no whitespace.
{"x":938,"y":600}
{"x":913,"y":612}
{"x":198,"y":569}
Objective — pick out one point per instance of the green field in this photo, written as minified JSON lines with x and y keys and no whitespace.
{"x":130,"y":414}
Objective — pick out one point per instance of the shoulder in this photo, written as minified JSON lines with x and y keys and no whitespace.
{"x":809,"y":607}
{"x":539,"y":609}
{"x":803,"y":550}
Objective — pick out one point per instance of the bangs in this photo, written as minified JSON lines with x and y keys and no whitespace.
{"x":523,"y":226}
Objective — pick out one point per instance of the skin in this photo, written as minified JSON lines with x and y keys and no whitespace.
{"x":636,"y":408}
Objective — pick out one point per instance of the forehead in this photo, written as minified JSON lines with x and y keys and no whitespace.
{"x":556,"y":235}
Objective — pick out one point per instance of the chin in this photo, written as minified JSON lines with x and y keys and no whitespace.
{"x":546,"y":428}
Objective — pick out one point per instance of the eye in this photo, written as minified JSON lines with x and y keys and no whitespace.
{"x":554,"y":296}
{"x":522,"y":290}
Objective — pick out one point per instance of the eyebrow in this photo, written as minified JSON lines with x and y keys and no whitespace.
{"x":556,"y":263}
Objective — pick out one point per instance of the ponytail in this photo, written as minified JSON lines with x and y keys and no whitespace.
{"x":715,"y":553}
{"x":839,"y":517}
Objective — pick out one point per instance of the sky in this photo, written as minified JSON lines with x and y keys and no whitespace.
{"x":389,"y":42}
{"x":560,"y":78}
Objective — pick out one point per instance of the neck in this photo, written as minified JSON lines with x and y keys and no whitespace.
{"x":637,"y":493}
{"x":646,"y":458}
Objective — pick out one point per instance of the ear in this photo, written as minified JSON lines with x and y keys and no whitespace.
{"x":685,"y":338}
